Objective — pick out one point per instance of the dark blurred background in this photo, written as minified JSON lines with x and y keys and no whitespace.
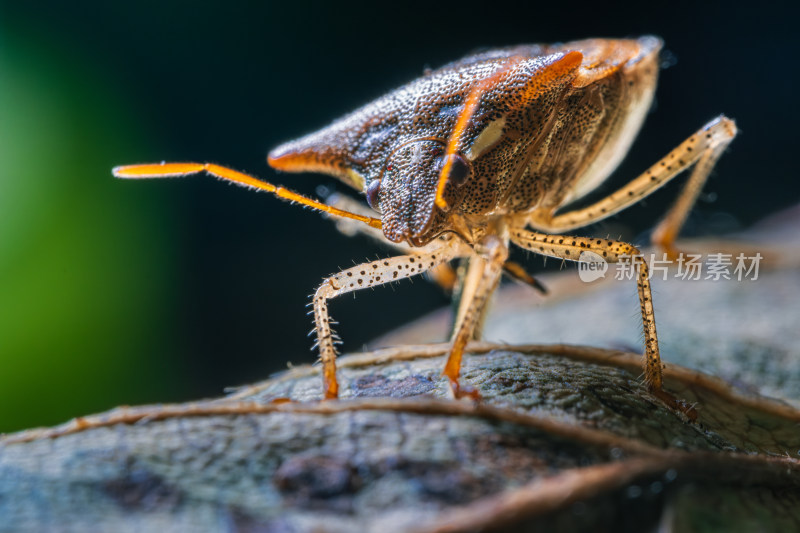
{"x":119,"y":292}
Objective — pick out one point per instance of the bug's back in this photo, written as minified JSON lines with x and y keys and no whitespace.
{"x":551,"y":126}
{"x":578,"y":137}
{"x":594,"y":123}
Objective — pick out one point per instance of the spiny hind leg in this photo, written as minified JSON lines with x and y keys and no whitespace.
{"x":361,"y":277}
{"x":701,"y":150}
{"x":570,"y":248}
{"x":712,"y":140}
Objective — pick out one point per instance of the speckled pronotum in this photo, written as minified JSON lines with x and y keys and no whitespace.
{"x":486,"y":152}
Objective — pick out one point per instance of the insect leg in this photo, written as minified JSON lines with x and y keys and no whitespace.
{"x":701,"y":150}
{"x":360,"y":277}
{"x":442,"y":274}
{"x":479,"y":284}
{"x":168,"y":170}
{"x":570,"y":248}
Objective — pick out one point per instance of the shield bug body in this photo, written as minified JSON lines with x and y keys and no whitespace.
{"x":486,"y":152}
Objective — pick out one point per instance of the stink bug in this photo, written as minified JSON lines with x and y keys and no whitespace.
{"x":486,"y":152}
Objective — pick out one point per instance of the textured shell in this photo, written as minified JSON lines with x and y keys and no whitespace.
{"x":555,"y":122}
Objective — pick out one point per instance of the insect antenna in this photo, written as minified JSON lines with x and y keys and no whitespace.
{"x":169,"y":170}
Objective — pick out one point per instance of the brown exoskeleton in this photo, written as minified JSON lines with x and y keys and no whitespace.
{"x":485,"y":152}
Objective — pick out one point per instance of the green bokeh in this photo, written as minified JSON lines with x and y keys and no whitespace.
{"x":83,"y":265}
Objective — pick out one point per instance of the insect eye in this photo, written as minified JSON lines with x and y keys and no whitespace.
{"x":459,"y":170}
{"x":372,"y":192}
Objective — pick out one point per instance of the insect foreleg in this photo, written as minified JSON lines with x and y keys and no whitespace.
{"x":442,"y":274}
{"x":570,"y":248}
{"x":360,"y":277}
{"x":481,"y":280}
{"x":701,"y":150}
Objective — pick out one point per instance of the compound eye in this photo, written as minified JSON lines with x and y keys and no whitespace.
{"x":459,"y":170}
{"x":373,"y":192}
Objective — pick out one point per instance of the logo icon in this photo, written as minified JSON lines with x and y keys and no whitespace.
{"x":591,"y":266}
